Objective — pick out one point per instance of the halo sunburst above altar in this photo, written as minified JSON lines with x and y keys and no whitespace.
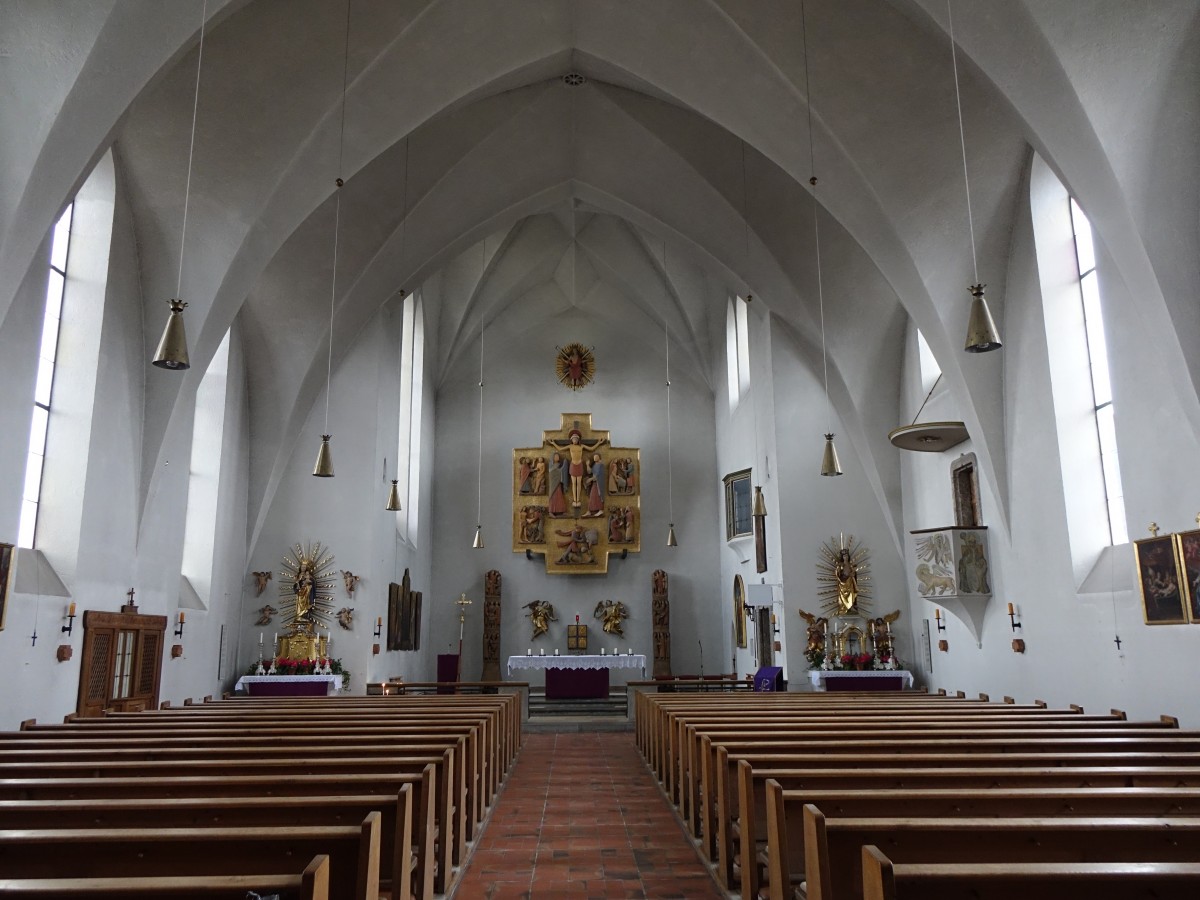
{"x":306,"y":585}
{"x":844,"y":577}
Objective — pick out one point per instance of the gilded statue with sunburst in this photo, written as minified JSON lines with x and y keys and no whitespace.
{"x":844,"y":577}
{"x":306,"y":586}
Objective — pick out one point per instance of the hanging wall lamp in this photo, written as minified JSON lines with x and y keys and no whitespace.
{"x":830,"y":465}
{"x":172,"y":352}
{"x":393,"y":499}
{"x":982,"y":335}
{"x":324,"y":466}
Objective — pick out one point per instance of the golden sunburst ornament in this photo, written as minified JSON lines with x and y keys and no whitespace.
{"x":575,"y":366}
{"x":306,"y":586}
{"x":844,"y":577}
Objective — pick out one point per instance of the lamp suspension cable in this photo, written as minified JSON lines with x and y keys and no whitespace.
{"x":982,"y":335}
{"x":962,"y":139}
{"x":324,"y":466}
{"x":172,"y":352}
{"x":745,"y":226}
{"x":830,"y":465}
{"x":478,"y":542}
{"x":671,"y":539}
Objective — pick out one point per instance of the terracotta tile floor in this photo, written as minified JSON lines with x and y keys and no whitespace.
{"x":581,"y":817}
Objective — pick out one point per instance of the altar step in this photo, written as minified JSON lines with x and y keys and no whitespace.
{"x":612,"y":706}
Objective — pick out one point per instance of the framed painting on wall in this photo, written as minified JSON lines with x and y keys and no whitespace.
{"x":6,"y":558}
{"x":1161,"y":581}
{"x":1187,"y":548}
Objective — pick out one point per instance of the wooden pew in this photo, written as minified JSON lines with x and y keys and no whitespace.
{"x":721,"y":802}
{"x":697,"y":771}
{"x":884,"y":880}
{"x":395,"y":824}
{"x":353,"y":853}
{"x":833,"y":847}
{"x":16,"y":779}
{"x":1105,"y":791}
{"x":311,"y":884}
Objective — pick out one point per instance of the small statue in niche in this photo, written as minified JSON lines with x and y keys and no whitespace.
{"x":345,"y":617}
{"x":541,"y":614}
{"x":611,"y":614}
{"x":260,"y":582}
{"x":265,"y":613}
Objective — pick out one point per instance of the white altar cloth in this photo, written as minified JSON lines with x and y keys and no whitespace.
{"x":334,"y":681}
{"x":611,"y":661}
{"x":817,"y":676}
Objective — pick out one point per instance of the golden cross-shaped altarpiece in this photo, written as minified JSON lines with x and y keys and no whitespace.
{"x":577,"y":499}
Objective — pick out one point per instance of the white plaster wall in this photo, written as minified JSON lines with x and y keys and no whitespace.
{"x":522,"y":399}
{"x":1070,"y":653}
{"x":813,"y":509}
{"x":346,"y":513}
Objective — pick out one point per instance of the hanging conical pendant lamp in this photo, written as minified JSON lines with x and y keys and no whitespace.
{"x":477,"y":544}
{"x":760,"y":503}
{"x":982,"y":335}
{"x":393,"y":501}
{"x":671,"y":541}
{"x":829,"y":460}
{"x":324,"y":466}
{"x":172,"y":352}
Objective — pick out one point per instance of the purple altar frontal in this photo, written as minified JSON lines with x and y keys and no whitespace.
{"x":575,"y":684}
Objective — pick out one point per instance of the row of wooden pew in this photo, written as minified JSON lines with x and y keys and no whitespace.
{"x":306,"y":797}
{"x":838,"y":796}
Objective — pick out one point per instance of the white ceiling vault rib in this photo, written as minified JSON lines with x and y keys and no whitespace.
{"x":651,"y":145}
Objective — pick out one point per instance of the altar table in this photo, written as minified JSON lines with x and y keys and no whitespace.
{"x":873,"y":680}
{"x":577,"y":676}
{"x":289,"y":685}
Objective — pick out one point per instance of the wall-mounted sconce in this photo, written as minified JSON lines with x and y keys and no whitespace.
{"x":179,"y":627}
{"x":1012,"y":618}
{"x":944,"y":646}
{"x":70,"y":617}
{"x":1018,"y":645}
{"x":378,"y":627}
{"x":937,"y":614}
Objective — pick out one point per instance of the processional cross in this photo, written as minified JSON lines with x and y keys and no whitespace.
{"x":463,"y":603}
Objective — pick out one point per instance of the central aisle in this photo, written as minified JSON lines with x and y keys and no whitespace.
{"x":581,"y":817}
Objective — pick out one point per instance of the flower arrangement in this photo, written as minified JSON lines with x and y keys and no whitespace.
{"x":856,"y":661}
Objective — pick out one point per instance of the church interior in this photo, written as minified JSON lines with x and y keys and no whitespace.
{"x":633,"y":179}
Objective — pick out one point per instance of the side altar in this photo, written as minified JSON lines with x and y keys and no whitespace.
{"x":577,"y":499}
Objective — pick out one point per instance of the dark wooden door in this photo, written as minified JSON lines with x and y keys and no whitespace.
{"x":122,"y":662}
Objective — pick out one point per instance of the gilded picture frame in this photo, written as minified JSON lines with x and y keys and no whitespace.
{"x":6,"y":568}
{"x":1160,"y":580}
{"x":1187,"y":551}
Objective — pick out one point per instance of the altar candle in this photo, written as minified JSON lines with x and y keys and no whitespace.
{"x":631,"y":651}
{"x":556,"y":651}
{"x":260,"y":640}
{"x":1010,"y":609}
{"x":541,"y":651}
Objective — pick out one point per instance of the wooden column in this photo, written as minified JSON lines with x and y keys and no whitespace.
{"x":491,"y":627}
{"x":660,"y":609}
